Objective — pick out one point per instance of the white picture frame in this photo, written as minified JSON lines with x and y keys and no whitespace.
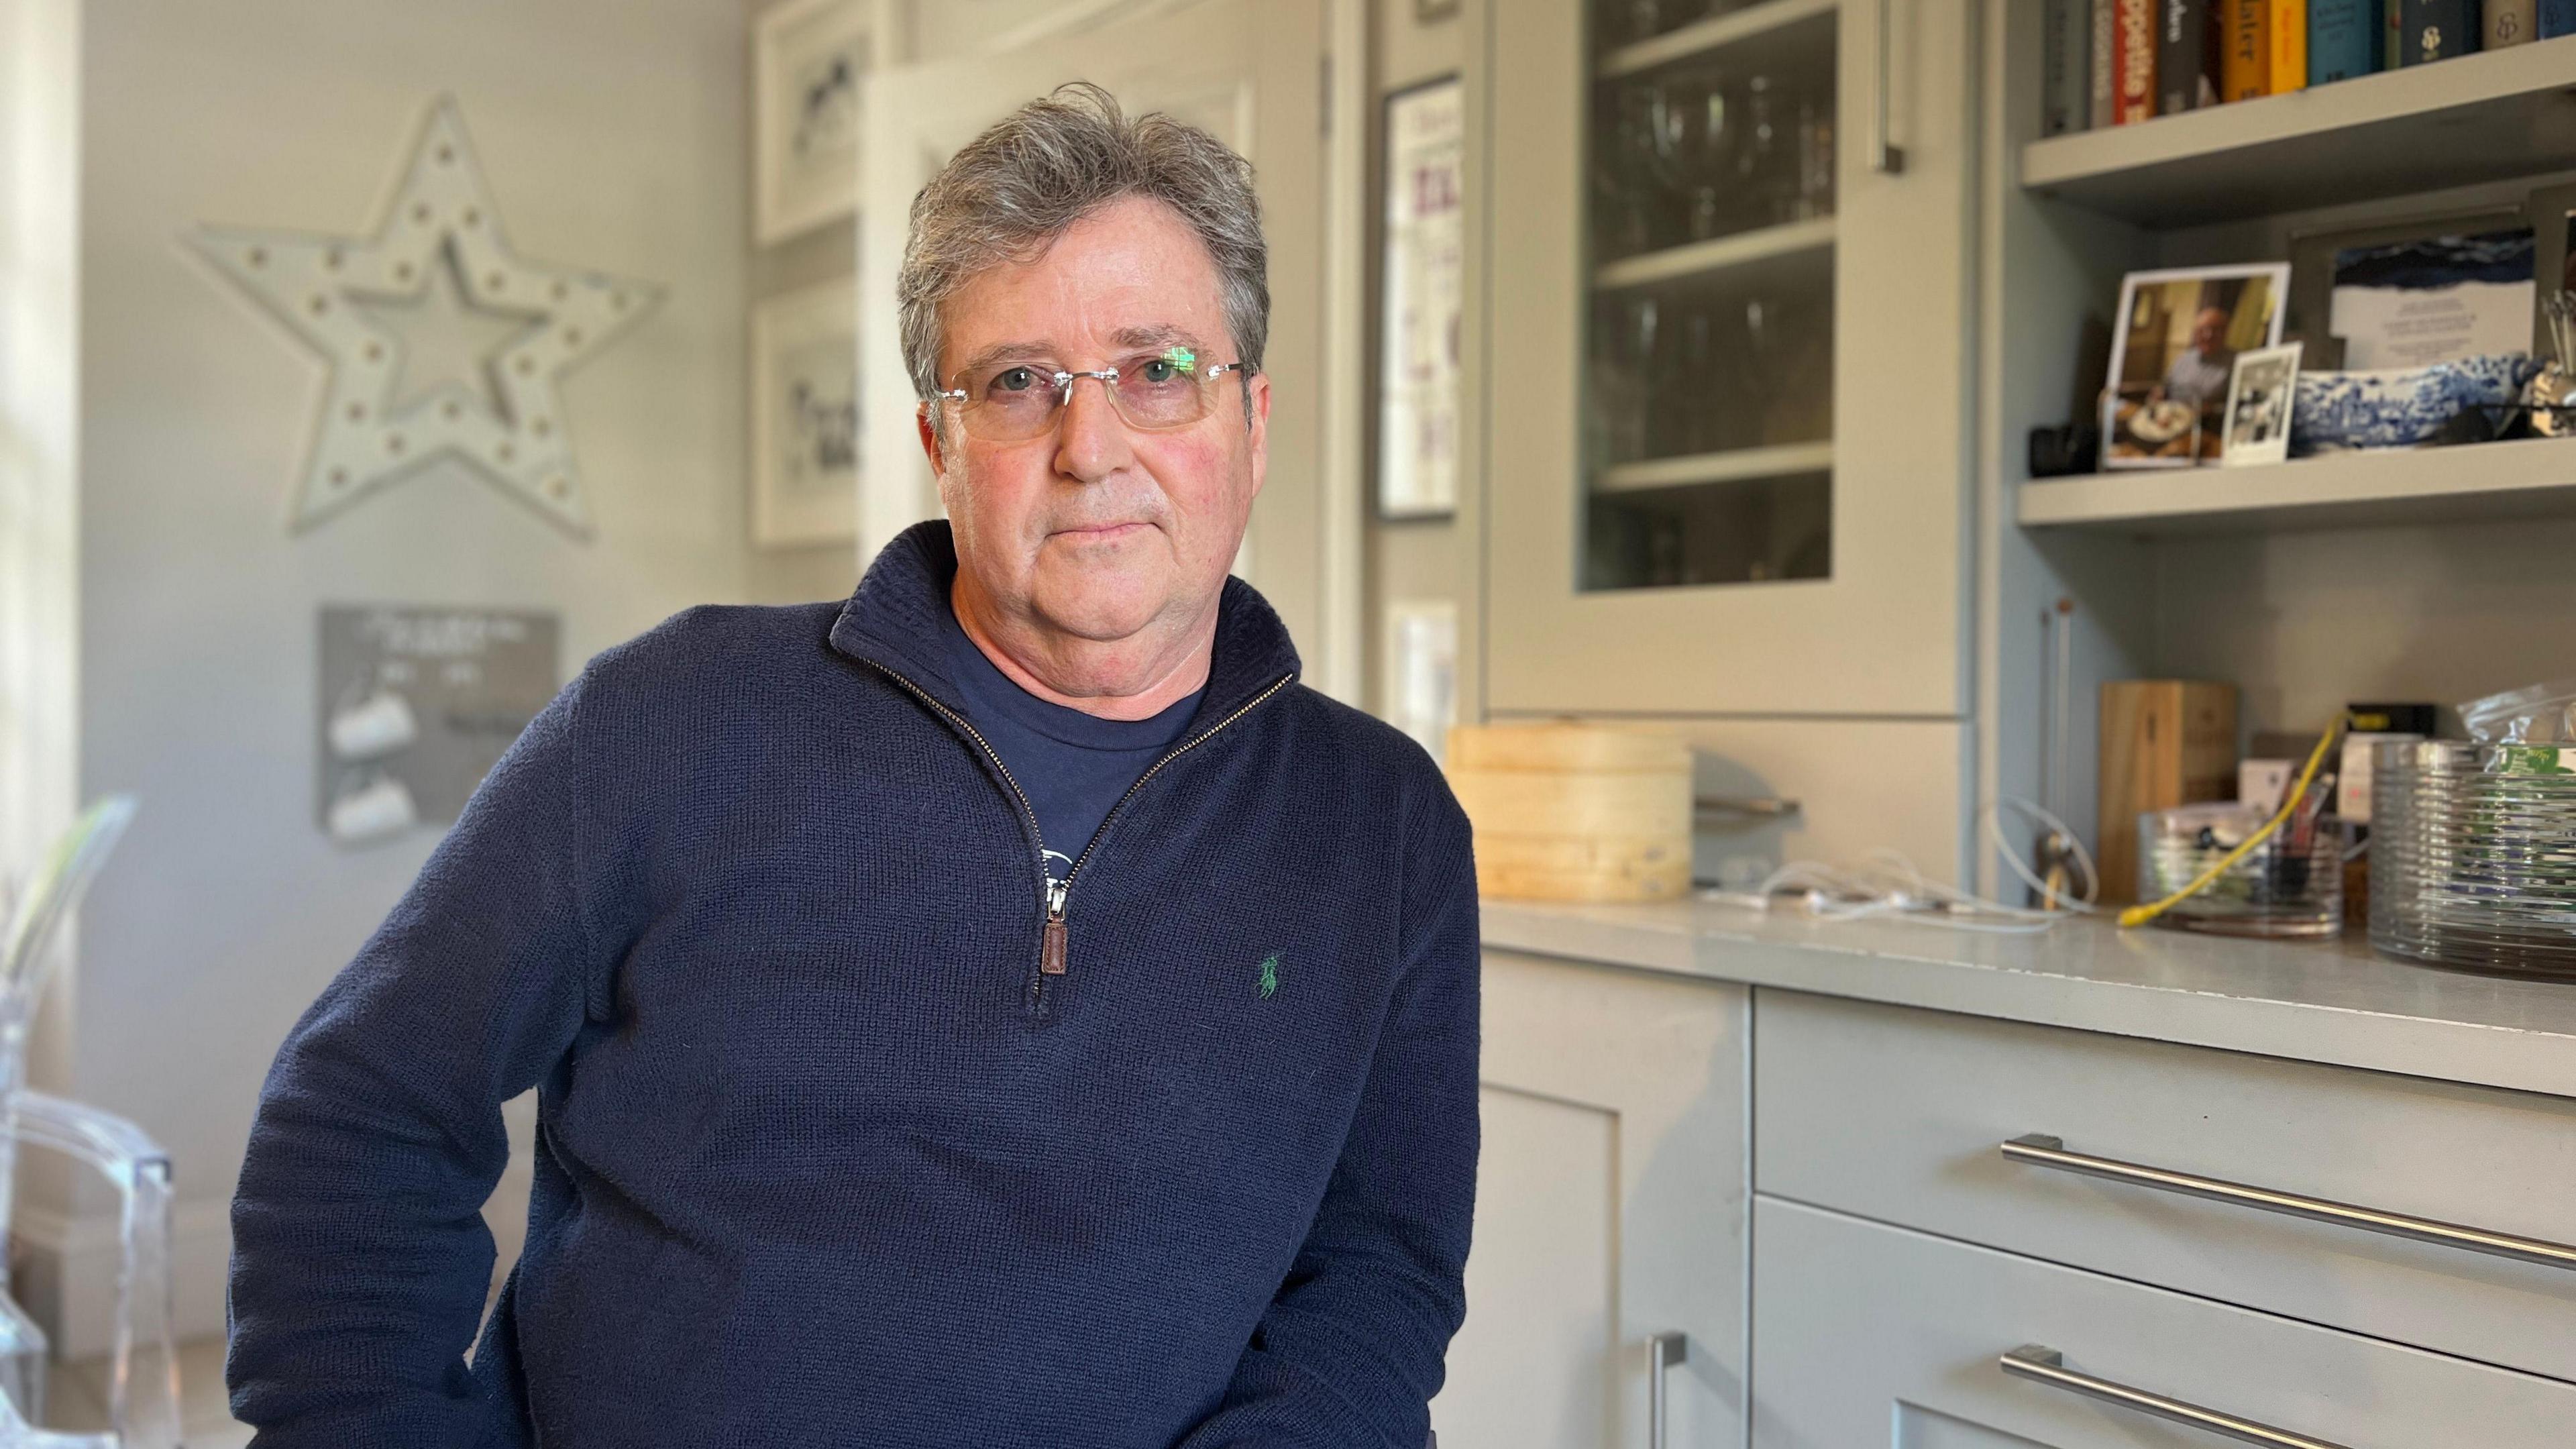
{"x":2140,"y":386}
{"x":2260,"y":395}
{"x":1421,"y":301}
{"x":809,"y":59}
{"x":805,"y":441}
{"x":1419,"y":686}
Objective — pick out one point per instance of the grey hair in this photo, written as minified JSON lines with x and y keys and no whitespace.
{"x":1016,"y":188}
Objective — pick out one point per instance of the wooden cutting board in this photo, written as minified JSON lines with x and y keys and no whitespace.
{"x":1575,"y":812}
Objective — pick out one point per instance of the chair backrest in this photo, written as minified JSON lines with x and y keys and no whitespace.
{"x":47,"y":897}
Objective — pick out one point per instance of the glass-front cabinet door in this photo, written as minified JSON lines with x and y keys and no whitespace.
{"x":1728,"y":437}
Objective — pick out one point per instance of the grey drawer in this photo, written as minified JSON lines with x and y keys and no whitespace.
{"x":1899,"y":1114}
{"x":1868,"y":1334}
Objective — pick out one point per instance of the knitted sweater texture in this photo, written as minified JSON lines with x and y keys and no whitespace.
{"x":824,"y":1156}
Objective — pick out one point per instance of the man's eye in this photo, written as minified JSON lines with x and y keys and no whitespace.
{"x":1160,"y":370}
{"x":1014,"y":379}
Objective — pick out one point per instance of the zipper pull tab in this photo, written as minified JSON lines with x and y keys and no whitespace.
{"x":1051,"y":956}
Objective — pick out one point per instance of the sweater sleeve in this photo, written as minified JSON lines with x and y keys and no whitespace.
{"x":360,"y":1260}
{"x":1350,"y":1350}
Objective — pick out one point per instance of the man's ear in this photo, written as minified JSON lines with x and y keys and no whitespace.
{"x":1257,"y":390}
{"x":929,"y":439}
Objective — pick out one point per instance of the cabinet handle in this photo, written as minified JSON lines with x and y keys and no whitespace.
{"x":1662,"y":1352}
{"x":2040,"y":1150}
{"x":2047,"y":1366}
{"x":1888,"y":158}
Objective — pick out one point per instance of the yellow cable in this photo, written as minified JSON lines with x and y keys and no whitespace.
{"x":2298,"y":793}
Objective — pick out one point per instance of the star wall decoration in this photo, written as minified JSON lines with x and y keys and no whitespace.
{"x":395,"y":402}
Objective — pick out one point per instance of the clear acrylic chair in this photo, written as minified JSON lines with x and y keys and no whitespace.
{"x":143,"y":1367}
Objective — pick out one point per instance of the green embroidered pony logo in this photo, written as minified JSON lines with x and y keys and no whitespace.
{"x":1269,"y":975}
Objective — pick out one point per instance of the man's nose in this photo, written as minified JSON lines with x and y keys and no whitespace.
{"x":1091,"y":439}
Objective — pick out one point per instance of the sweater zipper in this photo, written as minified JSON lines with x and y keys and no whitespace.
{"x":1054,"y":946}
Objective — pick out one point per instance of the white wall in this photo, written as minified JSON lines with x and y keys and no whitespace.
{"x":613,"y":134}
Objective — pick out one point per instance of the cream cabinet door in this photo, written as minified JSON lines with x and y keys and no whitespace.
{"x":1610,"y":1209}
{"x":1244,"y":70}
{"x":1871,"y":1335}
{"x":1678,"y":523}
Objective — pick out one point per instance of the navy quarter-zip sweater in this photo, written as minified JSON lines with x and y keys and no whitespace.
{"x":824,"y":1155}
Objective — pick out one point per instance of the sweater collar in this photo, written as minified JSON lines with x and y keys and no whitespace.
{"x":894,"y":618}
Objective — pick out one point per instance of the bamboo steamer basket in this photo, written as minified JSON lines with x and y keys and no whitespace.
{"x":1575,"y":812}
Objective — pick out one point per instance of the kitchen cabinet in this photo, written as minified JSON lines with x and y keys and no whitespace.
{"x":1610,"y":1212}
{"x":1867,"y":1334}
{"x":1727,"y":272}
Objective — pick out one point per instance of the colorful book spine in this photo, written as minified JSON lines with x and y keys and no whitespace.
{"x":2248,"y":62}
{"x":2436,"y":30}
{"x":2286,"y":37}
{"x":2106,"y":88}
{"x":2509,"y":22}
{"x":2392,"y":43}
{"x":2134,"y":60}
{"x":2065,"y":90}
{"x":2557,"y":18}
{"x":2186,"y":58}
{"x":2343,"y":39}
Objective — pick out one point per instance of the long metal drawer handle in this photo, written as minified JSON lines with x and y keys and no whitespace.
{"x":1662,"y":1352}
{"x":2043,"y":1365}
{"x":2040,"y":1150}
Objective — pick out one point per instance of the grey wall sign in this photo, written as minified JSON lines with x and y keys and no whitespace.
{"x":416,"y":704}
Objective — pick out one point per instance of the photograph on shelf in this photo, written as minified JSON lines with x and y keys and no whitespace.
{"x":1420,"y":302}
{"x":2173,"y":354}
{"x":804,"y":417}
{"x":807,"y":59}
{"x":2258,"y":406}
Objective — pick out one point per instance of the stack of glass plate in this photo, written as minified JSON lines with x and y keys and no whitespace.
{"x":2473,"y":855}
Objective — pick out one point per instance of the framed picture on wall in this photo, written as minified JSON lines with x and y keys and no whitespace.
{"x":2173,"y":354}
{"x":805,"y":417}
{"x":1420,"y":293}
{"x":808,"y":57}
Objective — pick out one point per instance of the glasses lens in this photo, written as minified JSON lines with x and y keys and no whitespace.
{"x":1010,"y":404}
{"x":1157,"y":392}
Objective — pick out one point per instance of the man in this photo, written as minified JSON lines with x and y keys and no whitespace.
{"x":2199,"y":375}
{"x":1005,"y":1009}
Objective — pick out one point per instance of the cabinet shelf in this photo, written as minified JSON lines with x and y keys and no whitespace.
{"x":2493,"y":114}
{"x":1715,"y":33}
{"x":2532,"y":477}
{"x":1747,"y":256}
{"x":1727,"y":467}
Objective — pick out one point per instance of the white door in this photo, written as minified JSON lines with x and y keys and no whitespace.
{"x":1246,"y":71}
{"x":1610,"y":1209}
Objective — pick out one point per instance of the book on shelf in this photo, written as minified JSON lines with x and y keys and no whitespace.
{"x":2106,"y":88}
{"x":2508,"y":22}
{"x":2247,"y":64}
{"x":2437,"y":30}
{"x":2285,"y":28}
{"x":2065,"y":102}
{"x":2557,"y":18}
{"x":2186,"y":57}
{"x":2343,"y":39}
{"x":2392,"y":44}
{"x":2134,"y":59}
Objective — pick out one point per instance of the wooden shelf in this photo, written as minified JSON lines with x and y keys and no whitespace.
{"x":1750,"y":256}
{"x":2530,"y":478}
{"x":1715,"y":33}
{"x":2493,"y":114}
{"x":1728,"y":467}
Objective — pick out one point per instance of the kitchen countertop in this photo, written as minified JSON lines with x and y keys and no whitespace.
{"x":2333,"y":1002}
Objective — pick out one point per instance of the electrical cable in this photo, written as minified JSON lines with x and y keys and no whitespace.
{"x":2291,"y":800}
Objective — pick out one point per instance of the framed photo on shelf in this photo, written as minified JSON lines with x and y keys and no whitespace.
{"x":2259,"y":395}
{"x":805,"y":416}
{"x":2173,"y":354}
{"x":1420,"y":297}
{"x":808,"y":57}
{"x":2317,"y":263}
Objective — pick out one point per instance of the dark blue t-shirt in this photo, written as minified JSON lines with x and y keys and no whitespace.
{"x":1073,"y":766}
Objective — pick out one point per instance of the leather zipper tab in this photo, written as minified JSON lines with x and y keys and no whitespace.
{"x":1051,"y":954}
